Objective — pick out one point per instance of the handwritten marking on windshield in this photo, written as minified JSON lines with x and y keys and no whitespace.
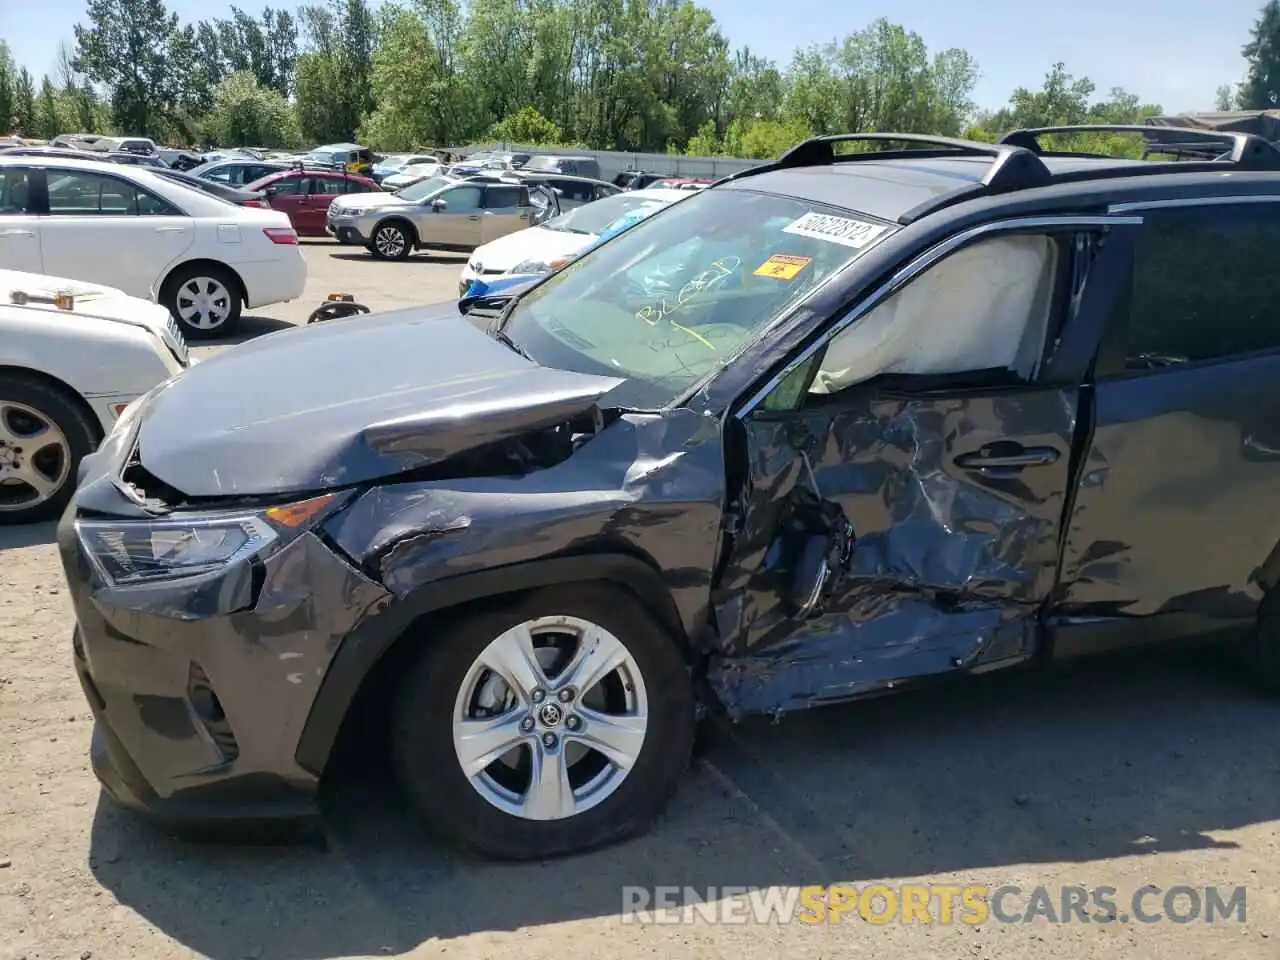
{"x":714,"y":274}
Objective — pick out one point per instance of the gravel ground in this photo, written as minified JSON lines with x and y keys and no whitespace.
{"x":1158,"y":769}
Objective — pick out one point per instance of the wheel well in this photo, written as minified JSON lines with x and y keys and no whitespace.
{"x":399,"y":222}
{"x":365,"y":727}
{"x":205,"y":264}
{"x":64,"y":389}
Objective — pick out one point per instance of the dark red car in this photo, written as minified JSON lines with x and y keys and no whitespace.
{"x":305,"y":195}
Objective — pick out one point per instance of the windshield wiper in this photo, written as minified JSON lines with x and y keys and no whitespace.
{"x":505,"y":339}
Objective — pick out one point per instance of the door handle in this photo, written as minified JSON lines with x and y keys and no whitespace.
{"x":474,"y":217}
{"x":15,"y":232}
{"x":171,"y":229}
{"x":1007,"y":455}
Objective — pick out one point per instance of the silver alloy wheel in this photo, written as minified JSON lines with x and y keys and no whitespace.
{"x":35,"y":457}
{"x":203,"y":303}
{"x":550,"y":718}
{"x":390,"y":241}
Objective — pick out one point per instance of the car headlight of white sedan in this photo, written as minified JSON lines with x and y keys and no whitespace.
{"x":539,"y":265}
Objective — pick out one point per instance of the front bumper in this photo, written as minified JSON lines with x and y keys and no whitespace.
{"x":274,"y":281}
{"x":201,"y":694}
{"x":347,"y":230}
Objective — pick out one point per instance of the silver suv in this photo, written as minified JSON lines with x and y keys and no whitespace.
{"x":440,"y":212}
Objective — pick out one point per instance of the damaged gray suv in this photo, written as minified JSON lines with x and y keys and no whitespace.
{"x":838,"y":424}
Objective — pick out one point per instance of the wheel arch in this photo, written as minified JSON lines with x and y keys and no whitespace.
{"x":400,"y":221}
{"x":394,"y":628}
{"x":163,"y":286}
{"x":65,"y":389}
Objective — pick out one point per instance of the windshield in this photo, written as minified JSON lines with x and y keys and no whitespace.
{"x":594,"y":217}
{"x":423,"y":188}
{"x":675,"y":297}
{"x":392,"y":163}
{"x":325,"y":157}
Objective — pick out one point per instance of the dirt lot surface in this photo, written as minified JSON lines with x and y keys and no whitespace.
{"x":1161,"y":769}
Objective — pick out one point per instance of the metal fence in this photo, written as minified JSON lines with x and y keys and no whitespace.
{"x":613,"y":162}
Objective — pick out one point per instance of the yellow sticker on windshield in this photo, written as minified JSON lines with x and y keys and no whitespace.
{"x":783,"y":266}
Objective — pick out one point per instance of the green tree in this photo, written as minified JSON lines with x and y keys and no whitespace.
{"x":763,"y":139}
{"x":706,"y":142}
{"x":1261,"y":87}
{"x":127,"y":47}
{"x":525,"y":126}
{"x":881,"y":78}
{"x":332,"y":82}
{"x":756,"y":89}
{"x":6,"y":88}
{"x":1224,"y":98}
{"x":414,"y":80}
{"x":24,"y":103}
{"x":247,"y":114}
{"x":48,"y":121}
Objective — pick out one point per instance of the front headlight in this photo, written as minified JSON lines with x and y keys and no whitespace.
{"x":136,"y":552}
{"x":538,"y":265}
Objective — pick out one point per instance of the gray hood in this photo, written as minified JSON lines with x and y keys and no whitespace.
{"x":348,"y":401}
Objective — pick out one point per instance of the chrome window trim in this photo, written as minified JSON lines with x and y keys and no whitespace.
{"x":917,"y":266}
{"x":1177,"y":202}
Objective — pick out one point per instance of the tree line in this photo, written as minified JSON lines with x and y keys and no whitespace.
{"x":634,"y":75}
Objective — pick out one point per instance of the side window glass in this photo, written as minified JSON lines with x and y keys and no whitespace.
{"x":462,"y":199}
{"x":290,"y":186}
{"x":90,"y":194}
{"x":1204,"y":285}
{"x":501,"y":198}
{"x":326,"y":185}
{"x":986,"y":307}
{"x":149,"y":205}
{"x":220,"y":175}
{"x":15,"y":191}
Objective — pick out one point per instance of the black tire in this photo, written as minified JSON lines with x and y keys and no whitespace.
{"x":428,"y":768}
{"x":398,"y":241}
{"x":1261,"y":654}
{"x":179,"y":279}
{"x":79,"y":431}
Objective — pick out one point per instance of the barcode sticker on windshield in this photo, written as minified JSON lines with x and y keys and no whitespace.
{"x":822,"y":226}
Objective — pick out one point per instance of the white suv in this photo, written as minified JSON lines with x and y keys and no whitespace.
{"x":201,"y":257}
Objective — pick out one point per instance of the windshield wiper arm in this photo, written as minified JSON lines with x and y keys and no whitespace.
{"x":504,"y":338}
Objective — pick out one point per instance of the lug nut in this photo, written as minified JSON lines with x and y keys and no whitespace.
{"x":573,"y":723}
{"x":526,"y":724}
{"x":538,"y":695}
{"x":566,"y":695}
{"x":549,"y":741}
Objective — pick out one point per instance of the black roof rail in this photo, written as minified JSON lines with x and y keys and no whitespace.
{"x":1246,"y":149}
{"x":1012,"y":167}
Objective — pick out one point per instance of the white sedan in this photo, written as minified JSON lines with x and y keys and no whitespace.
{"x":553,"y":243}
{"x":202,"y":257}
{"x":73,"y":356}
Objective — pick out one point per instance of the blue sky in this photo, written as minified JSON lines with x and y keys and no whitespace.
{"x":1171,"y":52}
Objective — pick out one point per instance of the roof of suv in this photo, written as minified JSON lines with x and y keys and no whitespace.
{"x":902,"y":185}
{"x":889,"y":188}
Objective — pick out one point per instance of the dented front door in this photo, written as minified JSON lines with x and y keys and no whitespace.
{"x":882,"y":536}
{"x":950,"y":557}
